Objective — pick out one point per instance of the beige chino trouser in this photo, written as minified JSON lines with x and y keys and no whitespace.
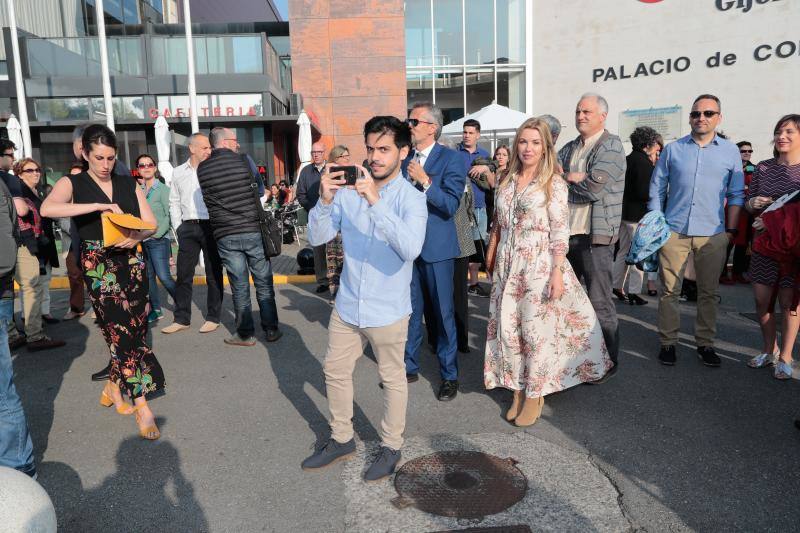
{"x":709,"y":253}
{"x":32,"y":289}
{"x":346,"y":344}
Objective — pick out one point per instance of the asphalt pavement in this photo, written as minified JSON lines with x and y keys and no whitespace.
{"x":682,"y":448}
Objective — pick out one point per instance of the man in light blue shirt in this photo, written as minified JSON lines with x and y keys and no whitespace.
{"x":695,"y":179}
{"x":382,"y":219}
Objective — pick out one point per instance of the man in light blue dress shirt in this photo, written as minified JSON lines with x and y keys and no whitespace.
{"x":382,"y":219}
{"x":695,"y":179}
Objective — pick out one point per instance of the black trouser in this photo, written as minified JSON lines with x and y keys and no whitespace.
{"x":461,"y":301}
{"x":193,"y":237}
{"x":741,"y":261}
{"x":593,"y":264}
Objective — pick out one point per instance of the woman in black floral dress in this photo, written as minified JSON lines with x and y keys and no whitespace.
{"x":115,"y":276}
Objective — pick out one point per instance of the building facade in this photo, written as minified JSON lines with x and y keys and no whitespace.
{"x":650,"y":59}
{"x":242,"y":81}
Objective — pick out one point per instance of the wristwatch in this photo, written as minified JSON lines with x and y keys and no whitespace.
{"x":427,"y":186}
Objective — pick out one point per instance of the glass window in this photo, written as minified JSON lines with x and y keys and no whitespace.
{"x":55,"y":149}
{"x":419,"y":87}
{"x":418,"y":33}
{"x":448,"y":32}
{"x":450,"y":95}
{"x":511,"y":89}
{"x":479,"y":25}
{"x":169,"y":55}
{"x":125,"y":108}
{"x":51,"y":109}
{"x":480,"y":88}
{"x":247,"y":54}
{"x":510,"y":31}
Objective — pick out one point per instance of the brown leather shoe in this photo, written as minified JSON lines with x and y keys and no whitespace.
{"x":45,"y":343}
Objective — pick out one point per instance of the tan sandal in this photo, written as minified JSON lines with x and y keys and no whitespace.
{"x":106,"y":400}
{"x":148,"y":432}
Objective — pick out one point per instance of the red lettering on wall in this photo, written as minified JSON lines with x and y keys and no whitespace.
{"x":229,"y":111}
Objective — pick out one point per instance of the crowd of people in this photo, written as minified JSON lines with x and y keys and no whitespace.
{"x":403,"y":245}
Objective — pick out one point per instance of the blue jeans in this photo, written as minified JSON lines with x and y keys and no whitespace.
{"x":479,"y":233}
{"x":243,"y":255}
{"x":16,"y":448}
{"x":156,"y":253}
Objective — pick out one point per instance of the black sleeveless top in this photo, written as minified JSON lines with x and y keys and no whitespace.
{"x":86,"y":191}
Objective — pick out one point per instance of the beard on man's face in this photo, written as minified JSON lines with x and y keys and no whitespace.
{"x":381,"y":171}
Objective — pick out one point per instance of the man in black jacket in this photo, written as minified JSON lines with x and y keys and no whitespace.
{"x":307,"y":195}
{"x":226,"y":182}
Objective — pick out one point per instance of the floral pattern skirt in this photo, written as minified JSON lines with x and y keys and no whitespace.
{"x":533,"y":343}
{"x":116,"y":280}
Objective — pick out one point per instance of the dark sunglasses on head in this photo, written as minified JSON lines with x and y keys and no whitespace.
{"x":414,"y":122}
{"x":707,"y":113}
{"x":146,"y":165}
{"x":746,"y":151}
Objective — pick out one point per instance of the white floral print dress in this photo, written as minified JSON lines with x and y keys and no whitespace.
{"x":533,"y":343}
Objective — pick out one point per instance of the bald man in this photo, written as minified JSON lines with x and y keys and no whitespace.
{"x":307,"y":195}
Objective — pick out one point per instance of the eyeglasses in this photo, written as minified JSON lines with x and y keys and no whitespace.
{"x":32,"y":170}
{"x":707,"y":113}
{"x":746,"y":151}
{"x":414,"y":122}
{"x":146,"y":165}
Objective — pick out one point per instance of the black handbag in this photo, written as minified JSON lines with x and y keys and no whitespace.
{"x":270,"y":228}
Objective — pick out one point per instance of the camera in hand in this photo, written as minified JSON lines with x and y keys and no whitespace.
{"x":350,"y":173}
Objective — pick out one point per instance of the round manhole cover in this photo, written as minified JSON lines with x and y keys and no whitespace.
{"x":460,"y":484}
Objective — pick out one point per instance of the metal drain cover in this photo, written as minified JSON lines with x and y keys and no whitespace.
{"x":459,"y":484}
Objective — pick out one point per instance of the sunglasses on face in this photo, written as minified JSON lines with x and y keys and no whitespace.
{"x":414,"y":122}
{"x":32,"y":171}
{"x":707,"y":113}
{"x":146,"y":165}
{"x":11,"y":155}
{"x":746,"y":151}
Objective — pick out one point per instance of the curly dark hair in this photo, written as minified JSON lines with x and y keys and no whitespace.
{"x":643,"y":136}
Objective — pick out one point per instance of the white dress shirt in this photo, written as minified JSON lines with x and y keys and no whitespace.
{"x":422,"y":155}
{"x":185,"y":197}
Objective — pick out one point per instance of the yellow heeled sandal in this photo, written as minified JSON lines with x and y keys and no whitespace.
{"x":107,"y":401}
{"x":149,"y":432}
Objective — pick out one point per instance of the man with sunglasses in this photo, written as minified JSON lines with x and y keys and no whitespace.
{"x":695,"y":178}
{"x":307,"y":195}
{"x":439,"y":173}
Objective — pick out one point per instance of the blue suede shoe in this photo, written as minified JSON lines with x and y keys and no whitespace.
{"x":383,"y":465}
{"x":331,"y":452}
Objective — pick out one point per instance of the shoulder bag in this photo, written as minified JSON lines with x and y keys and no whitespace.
{"x":269,"y":227}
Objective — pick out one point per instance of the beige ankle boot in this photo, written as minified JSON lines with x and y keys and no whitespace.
{"x":530,"y":412}
{"x":516,"y":405}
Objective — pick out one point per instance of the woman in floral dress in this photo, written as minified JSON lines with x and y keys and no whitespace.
{"x":543,"y":335}
{"x":116,"y":277}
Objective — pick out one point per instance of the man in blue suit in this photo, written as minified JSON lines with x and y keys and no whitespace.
{"x":439,"y":173}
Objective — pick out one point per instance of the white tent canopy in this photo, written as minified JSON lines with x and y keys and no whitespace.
{"x":494,"y":118}
{"x":163,"y":146}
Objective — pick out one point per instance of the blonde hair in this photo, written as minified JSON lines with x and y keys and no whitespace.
{"x":337,"y":152}
{"x":547,"y":164}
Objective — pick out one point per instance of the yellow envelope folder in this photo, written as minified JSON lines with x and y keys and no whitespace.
{"x":116,"y":227}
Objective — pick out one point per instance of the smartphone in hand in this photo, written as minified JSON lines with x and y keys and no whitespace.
{"x":350,"y":173}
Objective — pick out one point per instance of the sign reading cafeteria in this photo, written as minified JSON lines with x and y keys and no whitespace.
{"x":662,"y":56}
{"x":209,"y":105}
